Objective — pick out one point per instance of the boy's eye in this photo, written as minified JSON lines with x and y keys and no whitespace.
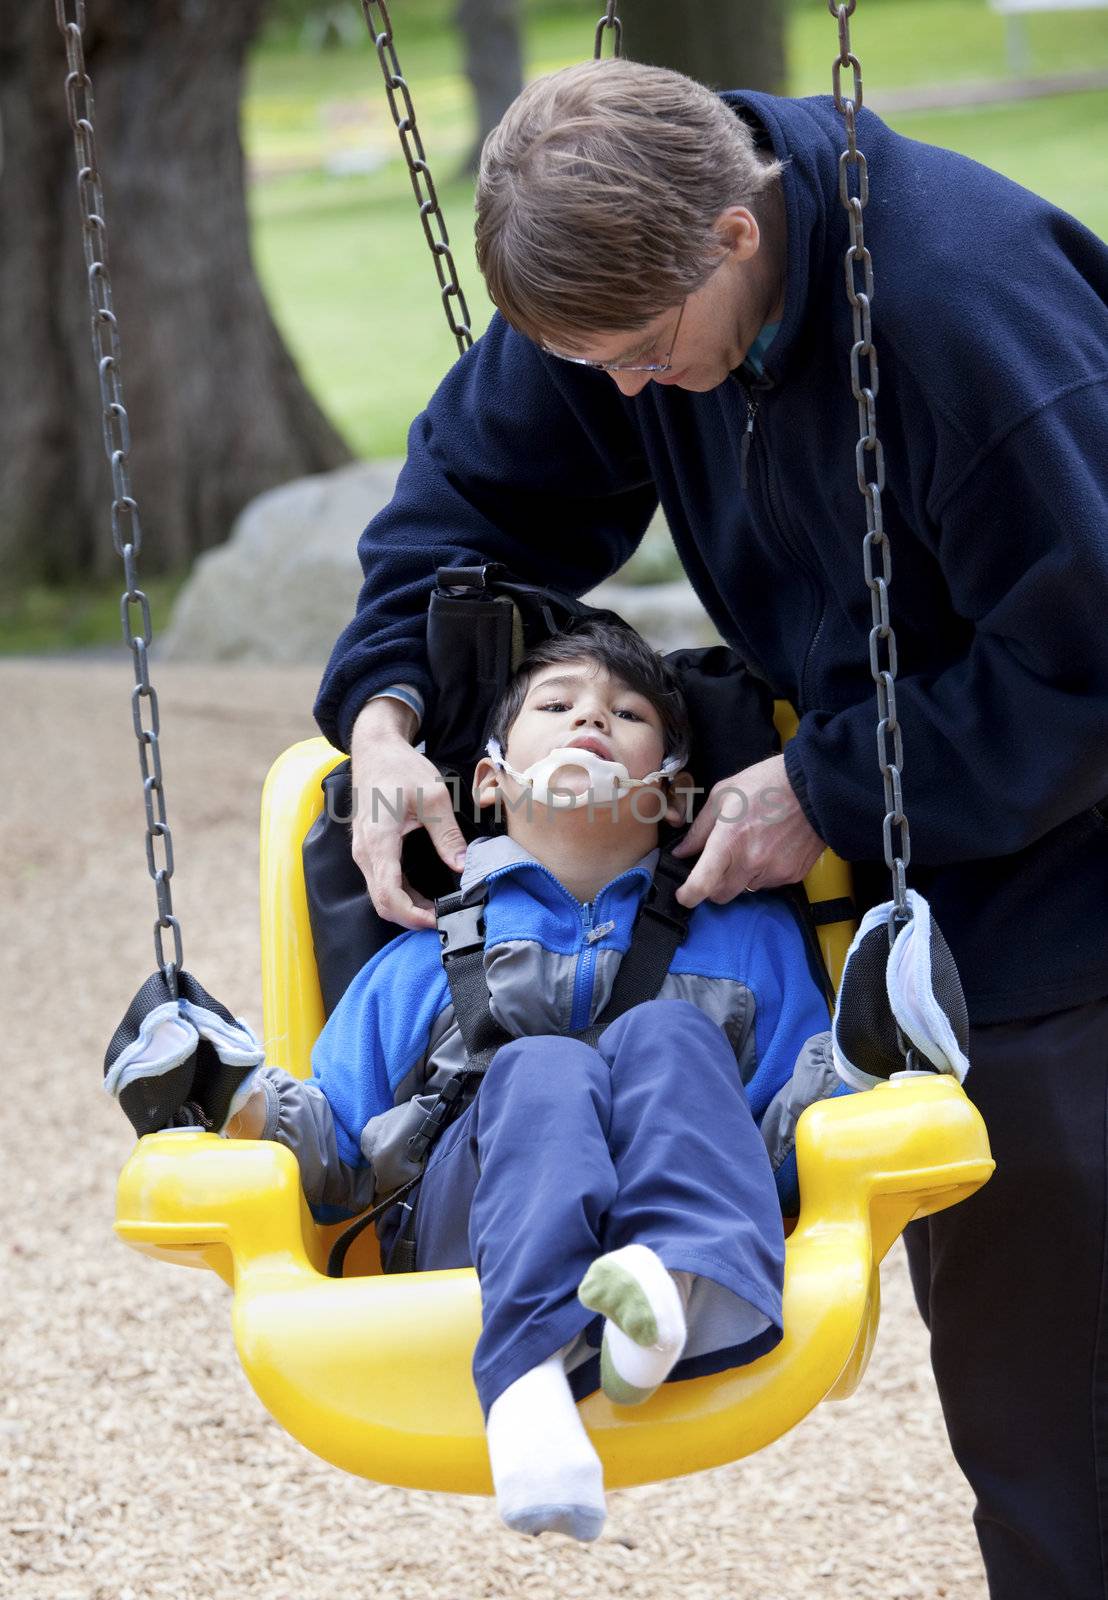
{"x":563,"y":705}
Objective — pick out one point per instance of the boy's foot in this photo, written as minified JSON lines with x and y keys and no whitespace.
{"x":547,"y":1476}
{"x":644,"y":1333}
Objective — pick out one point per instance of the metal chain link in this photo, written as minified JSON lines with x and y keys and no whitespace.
{"x":434,"y":227}
{"x":126,"y":528}
{"x":870,"y":473}
{"x":871,"y":483}
{"x":609,"y":23}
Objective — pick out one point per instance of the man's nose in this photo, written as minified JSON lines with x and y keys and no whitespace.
{"x":629,"y":383}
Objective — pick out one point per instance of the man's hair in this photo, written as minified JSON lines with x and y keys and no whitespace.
{"x":597,"y":194}
{"x":626,"y":655}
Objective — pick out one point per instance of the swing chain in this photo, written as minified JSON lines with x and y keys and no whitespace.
{"x":126,"y":527}
{"x":871,"y":483}
{"x":871,"y":476}
{"x":609,"y":23}
{"x":377,"y":19}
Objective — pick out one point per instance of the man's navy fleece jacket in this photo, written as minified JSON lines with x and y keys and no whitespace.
{"x":991,"y":325}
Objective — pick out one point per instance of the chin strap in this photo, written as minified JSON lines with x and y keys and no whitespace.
{"x":531,"y":775}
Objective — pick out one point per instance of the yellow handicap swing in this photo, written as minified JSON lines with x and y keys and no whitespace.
{"x":373,"y":1373}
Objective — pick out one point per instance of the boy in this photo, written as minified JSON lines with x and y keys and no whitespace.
{"x":627,"y":1181}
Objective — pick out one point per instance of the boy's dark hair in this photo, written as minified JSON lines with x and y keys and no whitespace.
{"x":626,"y":655}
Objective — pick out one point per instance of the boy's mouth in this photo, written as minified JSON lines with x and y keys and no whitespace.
{"x":587,"y":742}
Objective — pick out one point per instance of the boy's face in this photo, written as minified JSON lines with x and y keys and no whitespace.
{"x":577,"y":703}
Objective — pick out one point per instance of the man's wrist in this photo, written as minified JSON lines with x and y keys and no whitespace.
{"x":798,"y":783}
{"x":385,"y":715}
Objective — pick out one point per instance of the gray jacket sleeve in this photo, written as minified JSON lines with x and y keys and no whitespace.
{"x":813,"y":1078}
{"x":299,"y":1117}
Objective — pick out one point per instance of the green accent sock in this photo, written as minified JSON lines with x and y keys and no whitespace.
{"x":609,"y":1288}
{"x":618,"y":1390}
{"x":643,"y":1333}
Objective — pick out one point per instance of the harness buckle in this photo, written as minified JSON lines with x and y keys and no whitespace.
{"x":462,"y":930}
{"x":661,"y":904}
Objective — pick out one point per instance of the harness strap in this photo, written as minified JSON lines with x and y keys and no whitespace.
{"x":461,"y":920}
{"x":808,"y":917}
{"x":841,"y":909}
{"x":661,"y":925}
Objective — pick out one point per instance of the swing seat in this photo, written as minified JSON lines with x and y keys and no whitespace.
{"x":373,"y":1373}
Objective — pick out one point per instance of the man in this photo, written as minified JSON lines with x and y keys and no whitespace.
{"x":669,"y":269}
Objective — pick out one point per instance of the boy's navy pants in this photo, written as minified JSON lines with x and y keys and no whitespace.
{"x":1013,"y":1284}
{"x":570,"y":1151}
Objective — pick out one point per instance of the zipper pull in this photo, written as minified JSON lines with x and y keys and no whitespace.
{"x":751,"y":413}
{"x":598,"y":932}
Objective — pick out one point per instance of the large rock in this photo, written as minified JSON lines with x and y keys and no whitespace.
{"x":284,"y":585}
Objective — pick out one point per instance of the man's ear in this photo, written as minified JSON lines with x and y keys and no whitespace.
{"x":486,"y":781}
{"x":679,"y":792}
{"x":738,"y":232}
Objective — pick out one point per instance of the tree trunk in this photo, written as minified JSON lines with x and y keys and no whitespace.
{"x":493,"y":62}
{"x":727,"y":44}
{"x":217,"y":408}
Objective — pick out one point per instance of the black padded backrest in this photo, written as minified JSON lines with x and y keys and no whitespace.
{"x":346,"y":929}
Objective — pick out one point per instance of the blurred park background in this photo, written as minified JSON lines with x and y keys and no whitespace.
{"x":315,"y":206}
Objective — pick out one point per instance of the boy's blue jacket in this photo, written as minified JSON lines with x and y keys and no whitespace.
{"x":550,"y":962}
{"x":991,"y":326}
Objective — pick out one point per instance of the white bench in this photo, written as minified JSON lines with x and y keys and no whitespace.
{"x":1019,"y":56}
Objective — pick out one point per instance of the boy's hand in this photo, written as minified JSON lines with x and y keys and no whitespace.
{"x":249,"y":1120}
{"x":752,"y":834}
{"x":395,"y":790}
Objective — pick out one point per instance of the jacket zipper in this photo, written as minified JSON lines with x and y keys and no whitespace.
{"x":582,"y":983}
{"x":751,"y":413}
{"x":777,"y":524}
{"x":592,"y":934}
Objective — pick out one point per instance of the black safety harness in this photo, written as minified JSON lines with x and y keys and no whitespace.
{"x":661,"y":925}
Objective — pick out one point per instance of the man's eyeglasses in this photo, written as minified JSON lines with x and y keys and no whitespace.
{"x":664,"y":365}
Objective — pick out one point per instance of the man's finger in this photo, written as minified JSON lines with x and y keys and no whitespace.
{"x":697,"y":836}
{"x":391,"y":895}
{"x":437,"y":815}
{"x":710,"y":874}
{"x":418,"y":899}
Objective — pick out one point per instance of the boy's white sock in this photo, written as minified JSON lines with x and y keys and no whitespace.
{"x":547,"y":1476}
{"x":645,"y":1331}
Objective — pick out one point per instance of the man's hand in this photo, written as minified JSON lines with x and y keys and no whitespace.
{"x":396,"y":790}
{"x":752,"y":835}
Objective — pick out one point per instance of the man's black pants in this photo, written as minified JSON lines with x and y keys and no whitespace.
{"x":1013,"y":1284}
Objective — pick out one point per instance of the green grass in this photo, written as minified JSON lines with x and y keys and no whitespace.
{"x":905,"y":43}
{"x":77,"y":616}
{"x":353,"y":286}
{"x":343,"y":258}
{"x":1055,"y":146}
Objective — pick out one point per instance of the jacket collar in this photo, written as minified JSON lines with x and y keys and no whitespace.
{"x":498,"y":854}
{"x":808,"y":136}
